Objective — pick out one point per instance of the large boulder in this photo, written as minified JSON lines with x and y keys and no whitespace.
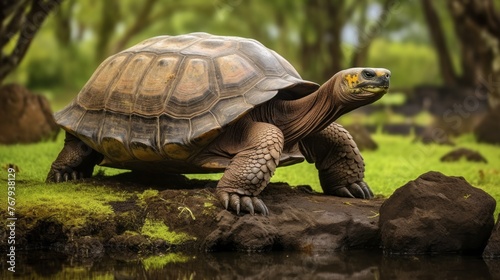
{"x":492,"y":250}
{"x":436,"y":214}
{"x":298,"y":222}
{"x":26,"y":117}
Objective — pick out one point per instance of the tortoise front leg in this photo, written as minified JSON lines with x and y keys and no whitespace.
{"x":75,"y":161}
{"x":259,"y":148}
{"x":340,"y":164}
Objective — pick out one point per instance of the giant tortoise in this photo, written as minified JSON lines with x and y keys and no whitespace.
{"x":200,"y":103}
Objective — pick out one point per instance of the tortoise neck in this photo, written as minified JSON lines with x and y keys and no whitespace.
{"x":311,"y":113}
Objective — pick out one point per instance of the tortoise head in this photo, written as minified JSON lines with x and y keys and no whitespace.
{"x":360,"y":86}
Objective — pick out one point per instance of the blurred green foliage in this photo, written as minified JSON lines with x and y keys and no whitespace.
{"x":80,"y":34}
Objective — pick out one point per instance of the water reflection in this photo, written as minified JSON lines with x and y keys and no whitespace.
{"x":282,"y":265}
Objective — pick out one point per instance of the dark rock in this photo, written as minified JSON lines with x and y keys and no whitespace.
{"x":435,"y":135}
{"x":298,"y":222}
{"x":487,"y":129}
{"x":25,"y":116}
{"x":84,"y":247}
{"x":362,"y":137}
{"x":401,"y":129}
{"x":460,"y":153}
{"x":45,"y":231}
{"x":460,"y":102}
{"x":492,"y":250}
{"x":436,"y":214}
{"x":128,"y":242}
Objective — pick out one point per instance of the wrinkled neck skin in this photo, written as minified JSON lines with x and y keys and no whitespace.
{"x":301,"y":117}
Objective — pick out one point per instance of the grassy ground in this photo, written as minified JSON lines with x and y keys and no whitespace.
{"x":397,"y":161}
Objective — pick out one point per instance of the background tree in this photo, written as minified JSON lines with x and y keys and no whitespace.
{"x":20,"y":21}
{"x":318,"y":37}
{"x":476,"y":25}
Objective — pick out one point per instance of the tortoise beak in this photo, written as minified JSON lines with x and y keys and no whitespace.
{"x":375,"y":80}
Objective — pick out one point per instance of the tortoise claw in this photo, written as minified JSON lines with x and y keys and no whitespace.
{"x":355,"y":190}
{"x":343,"y":192}
{"x":260,"y":206}
{"x":224,"y":199}
{"x":250,"y":204}
{"x":246,"y":202}
{"x":58,"y":178}
{"x":235,"y":203}
{"x":368,"y":192}
{"x":74,"y":175}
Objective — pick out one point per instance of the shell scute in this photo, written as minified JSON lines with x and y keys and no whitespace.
{"x":235,"y":73}
{"x":195,"y":92}
{"x":262,"y":57}
{"x":229,"y":109}
{"x":156,"y":85}
{"x":93,"y":95}
{"x":144,"y":138}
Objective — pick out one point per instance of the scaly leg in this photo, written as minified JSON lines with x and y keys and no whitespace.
{"x":75,"y":161}
{"x":340,"y":164}
{"x":258,"y":146}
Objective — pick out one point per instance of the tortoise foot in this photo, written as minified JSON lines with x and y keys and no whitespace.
{"x":75,"y":161}
{"x":355,"y":190}
{"x":64,"y":175}
{"x":245,"y":203}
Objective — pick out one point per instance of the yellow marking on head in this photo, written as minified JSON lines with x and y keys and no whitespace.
{"x":380,"y":73}
{"x":352,"y":79}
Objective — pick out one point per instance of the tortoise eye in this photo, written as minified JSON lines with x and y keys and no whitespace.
{"x":368,"y":74}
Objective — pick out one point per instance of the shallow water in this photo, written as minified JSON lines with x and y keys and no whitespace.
{"x":281,"y":265}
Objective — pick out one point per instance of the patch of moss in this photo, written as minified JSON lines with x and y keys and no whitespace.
{"x":145,"y":196}
{"x":159,"y":262}
{"x":208,"y":208}
{"x":71,"y":204}
{"x":157,"y":229}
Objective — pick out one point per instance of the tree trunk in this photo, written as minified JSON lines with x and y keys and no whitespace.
{"x":437,"y":35}
{"x":477,"y":25}
{"x":22,"y":18}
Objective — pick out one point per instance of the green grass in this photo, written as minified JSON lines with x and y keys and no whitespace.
{"x":71,"y":203}
{"x":397,"y":161}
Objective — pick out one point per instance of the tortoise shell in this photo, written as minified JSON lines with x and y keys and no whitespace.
{"x":168,"y":97}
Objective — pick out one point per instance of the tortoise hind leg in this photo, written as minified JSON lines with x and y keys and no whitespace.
{"x":340,"y":164}
{"x":257,"y":148}
{"x":75,"y":161}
